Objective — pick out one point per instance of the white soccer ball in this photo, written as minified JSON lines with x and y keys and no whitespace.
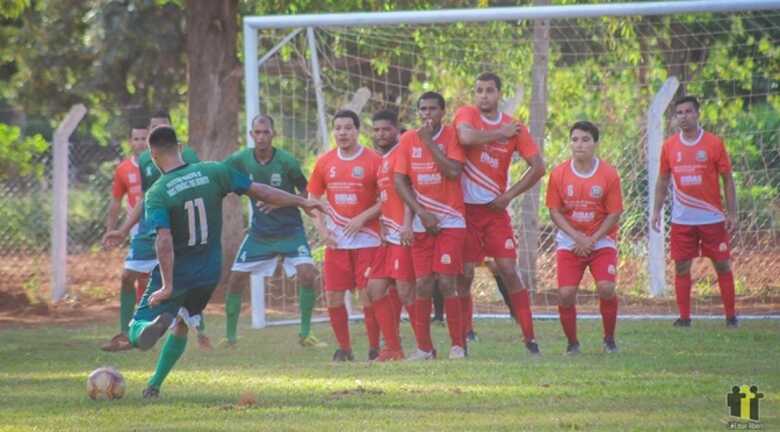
{"x":105,"y":383}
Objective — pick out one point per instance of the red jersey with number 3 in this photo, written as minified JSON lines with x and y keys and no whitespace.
{"x":585,"y":200}
{"x":486,"y":171}
{"x":127,"y":181}
{"x":695,"y":168}
{"x":439,"y":195}
{"x":392,"y":212}
{"x":350,"y":185}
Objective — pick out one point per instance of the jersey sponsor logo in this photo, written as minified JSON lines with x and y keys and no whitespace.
{"x":509,"y":244}
{"x":611,"y":269}
{"x":690,"y":180}
{"x":332,"y":172}
{"x":396,"y":264}
{"x":416,"y":152}
{"x":346,"y":198}
{"x":701,"y":156}
{"x":131,"y":178}
{"x":570,"y":190}
{"x":358,"y":172}
{"x":276,"y":179}
{"x":723,"y":247}
{"x":583,"y":216}
{"x":596,"y":191}
{"x":428,"y":179}
{"x":488,"y":160}
{"x":446,"y":259}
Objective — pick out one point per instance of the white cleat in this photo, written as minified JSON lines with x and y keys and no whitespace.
{"x":419,"y":354}
{"x":457,"y":352}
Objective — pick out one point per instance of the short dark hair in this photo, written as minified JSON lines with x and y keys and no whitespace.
{"x":163,"y":138}
{"x":136,"y":126}
{"x":161,"y":113}
{"x":348,"y":114}
{"x":431,"y":95}
{"x":685,"y":99}
{"x":588,"y":127}
{"x":490,"y":76}
{"x":386,"y":115}
{"x":265,"y":118}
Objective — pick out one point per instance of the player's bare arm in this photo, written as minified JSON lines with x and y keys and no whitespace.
{"x":277,"y":197}
{"x":113,"y":238}
{"x":661,"y":188}
{"x":164,"y":247}
{"x":468,"y":136}
{"x":357,"y":222}
{"x":609,"y":222}
{"x":730,"y":191}
{"x":450,"y":168}
{"x":319,"y":222}
{"x":407,"y":234}
{"x":583,"y":244}
{"x":404,"y":189}
{"x":535,"y":171}
{"x":113,"y":214}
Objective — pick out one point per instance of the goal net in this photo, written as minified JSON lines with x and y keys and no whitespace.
{"x":606,"y":69}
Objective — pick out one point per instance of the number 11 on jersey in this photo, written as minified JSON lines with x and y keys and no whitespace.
{"x":190,"y":206}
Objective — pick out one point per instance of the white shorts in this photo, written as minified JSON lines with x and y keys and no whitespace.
{"x":141,"y":266}
{"x":267,"y":267}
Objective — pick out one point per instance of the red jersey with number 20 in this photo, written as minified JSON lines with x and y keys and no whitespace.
{"x":436,"y":193}
{"x":350,"y":185}
{"x":486,"y":172}
{"x":695,"y":167}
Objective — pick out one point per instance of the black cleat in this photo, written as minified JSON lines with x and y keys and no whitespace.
{"x":679,"y":322}
{"x":471,"y":336}
{"x":533,"y":348}
{"x":154,"y":331}
{"x":732,"y":322}
{"x":610,"y":346}
{"x":342,"y":356}
{"x":572,"y":348}
{"x":151,"y":393}
{"x":373,"y":353}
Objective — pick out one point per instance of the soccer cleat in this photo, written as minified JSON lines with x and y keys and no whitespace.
{"x":732,"y":322}
{"x":679,"y":322}
{"x":311,"y":341}
{"x":573,"y":348}
{"x":610,"y":346}
{"x":117,"y":343}
{"x":228,"y":344}
{"x":419,"y":354}
{"x":343,"y":355}
{"x":390,"y":355}
{"x":373,"y":353}
{"x":204,"y":343}
{"x":471,"y":336}
{"x":151,"y":393}
{"x":457,"y":352}
{"x":533,"y":348}
{"x":154,"y":331}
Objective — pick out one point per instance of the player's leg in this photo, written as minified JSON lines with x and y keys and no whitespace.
{"x":473,"y":254}
{"x":684,"y":248}
{"x":448,"y":267}
{"x":569,"y":271}
{"x":236,"y":282}
{"x":384,"y":306}
{"x":307,"y":297}
{"x":140,"y":286}
{"x":363,"y":260}
{"x":338,"y":277}
{"x":438,"y":304}
{"x":727,"y":294}
{"x":466,"y":301}
{"x":423,"y":306}
{"x":603,"y":267}
{"x":491,"y":265}
{"x":715,"y":245}
{"x":520,"y":300}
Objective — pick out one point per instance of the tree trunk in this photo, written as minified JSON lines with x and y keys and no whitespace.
{"x":214,"y":78}
{"x":529,"y":213}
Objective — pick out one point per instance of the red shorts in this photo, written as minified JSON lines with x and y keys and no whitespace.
{"x":441,"y":253}
{"x":602,"y":263}
{"x":345,"y":269}
{"x":488,"y":233}
{"x":393,"y":262}
{"x":691,"y":241}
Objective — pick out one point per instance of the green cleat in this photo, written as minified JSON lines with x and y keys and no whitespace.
{"x":311,"y":342}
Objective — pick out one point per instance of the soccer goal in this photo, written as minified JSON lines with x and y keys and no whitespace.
{"x":618,"y":65}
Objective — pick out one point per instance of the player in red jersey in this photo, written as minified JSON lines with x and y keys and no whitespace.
{"x":427,"y":177}
{"x":127,"y":182}
{"x":693,"y":160}
{"x":346,"y":176}
{"x":585,"y":203}
{"x":490,"y":138}
{"x":394,"y":258}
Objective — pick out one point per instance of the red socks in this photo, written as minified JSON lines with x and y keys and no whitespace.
{"x":452,"y":309}
{"x":682,"y":289}
{"x":608,"y":310}
{"x":385,"y":312}
{"x":726,"y":285}
{"x":397,"y":304}
{"x":467,"y":309}
{"x":422,"y":323}
{"x":521,"y":306}
{"x":568,"y":316}
{"x":372,"y":326}
{"x":412,"y":316}
{"x":339,"y":321}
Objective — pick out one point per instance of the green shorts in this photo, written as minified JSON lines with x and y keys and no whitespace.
{"x":259,"y":256}
{"x":193,"y":300}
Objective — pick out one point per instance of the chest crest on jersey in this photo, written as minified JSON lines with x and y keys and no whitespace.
{"x":358,"y":172}
{"x":131,"y":178}
{"x":276,"y":179}
{"x":701,"y":156}
{"x":416,"y":152}
{"x":596,"y":191}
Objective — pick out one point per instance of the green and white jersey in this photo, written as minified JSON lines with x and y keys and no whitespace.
{"x":149,"y":171}
{"x":282,"y":172}
{"x":188,"y":201}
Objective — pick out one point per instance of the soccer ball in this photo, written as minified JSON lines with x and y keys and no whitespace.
{"x":105,"y":383}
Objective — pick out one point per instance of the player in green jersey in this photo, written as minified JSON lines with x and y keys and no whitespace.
{"x":184,"y":208}
{"x":276,"y":235}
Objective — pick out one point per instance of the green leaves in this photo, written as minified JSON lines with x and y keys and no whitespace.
{"x":20,"y":155}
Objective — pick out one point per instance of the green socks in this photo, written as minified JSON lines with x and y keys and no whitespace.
{"x":232,"y":312}
{"x":126,"y":307}
{"x":306,"y":301}
{"x":135,"y":329}
{"x":169,"y":355}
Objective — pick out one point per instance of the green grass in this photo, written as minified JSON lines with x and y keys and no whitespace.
{"x":664,"y":379}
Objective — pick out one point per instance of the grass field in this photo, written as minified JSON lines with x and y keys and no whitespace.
{"x":664,"y":379}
